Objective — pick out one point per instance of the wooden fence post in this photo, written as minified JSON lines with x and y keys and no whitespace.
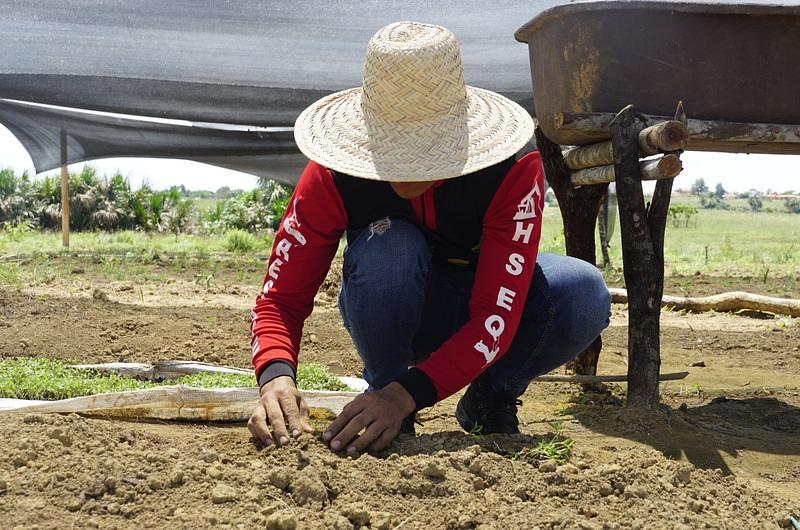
{"x":64,"y":191}
{"x":642,"y":230}
{"x":579,"y":208}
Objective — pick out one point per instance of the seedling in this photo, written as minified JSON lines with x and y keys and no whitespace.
{"x":477,"y":431}
{"x":558,"y":448}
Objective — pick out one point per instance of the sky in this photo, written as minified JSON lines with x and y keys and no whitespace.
{"x":736,"y":172}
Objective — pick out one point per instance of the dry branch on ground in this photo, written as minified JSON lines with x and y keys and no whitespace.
{"x":733,"y":301}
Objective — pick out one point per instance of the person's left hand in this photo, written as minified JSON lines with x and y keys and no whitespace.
{"x":379,"y":414}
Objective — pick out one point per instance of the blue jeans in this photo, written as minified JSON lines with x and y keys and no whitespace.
{"x":399,"y":306}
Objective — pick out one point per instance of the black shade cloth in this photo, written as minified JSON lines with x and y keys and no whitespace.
{"x":243,"y":62}
{"x":272,"y":154}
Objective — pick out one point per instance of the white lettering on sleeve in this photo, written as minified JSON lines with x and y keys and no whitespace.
{"x":514,"y":265}
{"x":275,"y":268}
{"x":291,"y":225}
{"x":282,"y":249}
{"x":495,"y":325}
{"x":505,"y":297}
{"x":523,"y":231}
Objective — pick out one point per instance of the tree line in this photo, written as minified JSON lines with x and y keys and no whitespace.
{"x":100,"y":202}
{"x":755,"y":199}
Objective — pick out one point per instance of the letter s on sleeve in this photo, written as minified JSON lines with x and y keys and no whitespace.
{"x":514,"y":265}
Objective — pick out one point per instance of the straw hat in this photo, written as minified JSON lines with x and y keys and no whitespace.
{"x":413,"y":118}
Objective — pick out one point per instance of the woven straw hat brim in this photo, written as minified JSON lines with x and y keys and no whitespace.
{"x":486,"y":129}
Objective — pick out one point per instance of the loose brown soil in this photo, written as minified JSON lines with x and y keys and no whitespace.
{"x":724,"y":452}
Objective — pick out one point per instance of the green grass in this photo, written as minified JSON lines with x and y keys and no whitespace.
{"x":29,"y":378}
{"x":312,"y":376}
{"x":737,"y":243}
{"x":717,"y":243}
{"x":34,"y":378}
{"x":558,"y":448}
{"x":242,"y":242}
{"x":119,"y":243}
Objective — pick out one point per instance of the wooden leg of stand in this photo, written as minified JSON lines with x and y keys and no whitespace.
{"x":579,"y":208}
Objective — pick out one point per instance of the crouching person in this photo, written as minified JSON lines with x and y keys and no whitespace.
{"x":442,"y":219}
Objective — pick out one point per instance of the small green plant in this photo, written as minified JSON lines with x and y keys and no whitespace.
{"x":558,"y":448}
{"x":240,"y":241}
{"x":204,"y":279}
{"x":477,"y":431}
{"x":693,"y":390}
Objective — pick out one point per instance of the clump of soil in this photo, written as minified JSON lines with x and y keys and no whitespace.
{"x":65,"y":471}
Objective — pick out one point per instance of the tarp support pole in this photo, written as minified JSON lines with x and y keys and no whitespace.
{"x":64,"y":191}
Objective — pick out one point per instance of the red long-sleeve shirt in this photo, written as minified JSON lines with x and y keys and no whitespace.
{"x":307,"y":241}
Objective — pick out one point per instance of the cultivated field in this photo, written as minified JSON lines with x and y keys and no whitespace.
{"x":723,"y":453}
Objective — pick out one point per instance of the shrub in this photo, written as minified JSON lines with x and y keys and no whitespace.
{"x":240,"y":241}
{"x":681,"y":214}
{"x":17,"y":201}
{"x":713,"y":202}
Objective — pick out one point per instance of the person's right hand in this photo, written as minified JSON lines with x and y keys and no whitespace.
{"x":280,"y":403}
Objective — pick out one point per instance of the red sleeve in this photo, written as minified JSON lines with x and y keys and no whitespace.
{"x":511,"y":229}
{"x":302,"y":252}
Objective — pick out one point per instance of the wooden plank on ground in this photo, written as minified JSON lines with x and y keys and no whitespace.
{"x":175,"y":403}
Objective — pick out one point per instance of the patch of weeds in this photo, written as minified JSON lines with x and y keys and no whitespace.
{"x":215,"y":381}
{"x":124,"y":239}
{"x":34,"y":378}
{"x":558,"y":448}
{"x":16,"y":232}
{"x":240,"y":241}
{"x":9,"y":274}
{"x":202,"y":252}
{"x":180,"y":262}
{"x":30,"y":378}
{"x":310,"y":376}
{"x":204,"y":279}
{"x":313,"y":376}
{"x":692,"y":390}
{"x":42,"y":270}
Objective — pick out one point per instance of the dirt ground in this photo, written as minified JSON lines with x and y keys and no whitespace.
{"x":723,"y":453}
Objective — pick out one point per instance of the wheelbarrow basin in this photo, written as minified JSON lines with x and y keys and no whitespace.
{"x":737,"y":63}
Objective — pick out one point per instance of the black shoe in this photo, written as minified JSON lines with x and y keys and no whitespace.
{"x":407,"y":427}
{"x":483,"y":410}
